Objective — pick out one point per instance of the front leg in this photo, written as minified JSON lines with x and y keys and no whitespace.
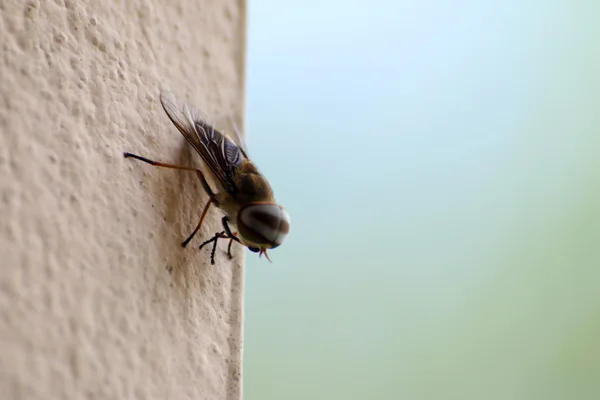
{"x":214,"y":239}
{"x":226,"y":234}
{"x":231,"y":235}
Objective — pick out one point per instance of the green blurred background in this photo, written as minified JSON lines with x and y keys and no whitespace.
{"x":439,"y":160}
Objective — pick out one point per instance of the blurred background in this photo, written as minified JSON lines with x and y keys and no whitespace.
{"x":440,"y":164}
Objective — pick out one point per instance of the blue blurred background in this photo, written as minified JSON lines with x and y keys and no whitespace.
{"x":440,"y":164}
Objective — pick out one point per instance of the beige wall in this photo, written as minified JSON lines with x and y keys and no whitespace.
{"x":88,"y":305}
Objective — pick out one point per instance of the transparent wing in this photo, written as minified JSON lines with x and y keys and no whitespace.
{"x":222,"y":155}
{"x":239,"y":138}
{"x":233,"y":131}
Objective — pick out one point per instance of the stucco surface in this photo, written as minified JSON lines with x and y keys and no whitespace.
{"x":97,"y":297}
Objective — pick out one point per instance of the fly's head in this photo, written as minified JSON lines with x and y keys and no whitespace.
{"x":263,"y":226}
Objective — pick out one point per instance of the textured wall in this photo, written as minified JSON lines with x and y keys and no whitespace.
{"x":97,"y":298}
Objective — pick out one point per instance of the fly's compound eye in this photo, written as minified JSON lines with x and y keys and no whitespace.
{"x":266,"y":225}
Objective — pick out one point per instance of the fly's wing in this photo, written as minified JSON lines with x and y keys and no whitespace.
{"x":239,"y":138}
{"x":219,"y":152}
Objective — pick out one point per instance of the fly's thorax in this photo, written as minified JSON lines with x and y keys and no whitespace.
{"x":252,"y":185}
{"x":229,"y":204}
{"x":264,"y":225}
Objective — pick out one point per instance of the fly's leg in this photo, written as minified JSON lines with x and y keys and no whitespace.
{"x":213,"y":240}
{"x":226,"y":234}
{"x":206,"y":207}
{"x":205,"y":186}
{"x":231,"y":236}
{"x":229,"y":249}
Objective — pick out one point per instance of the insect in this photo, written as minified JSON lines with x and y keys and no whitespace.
{"x":242,"y":193}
